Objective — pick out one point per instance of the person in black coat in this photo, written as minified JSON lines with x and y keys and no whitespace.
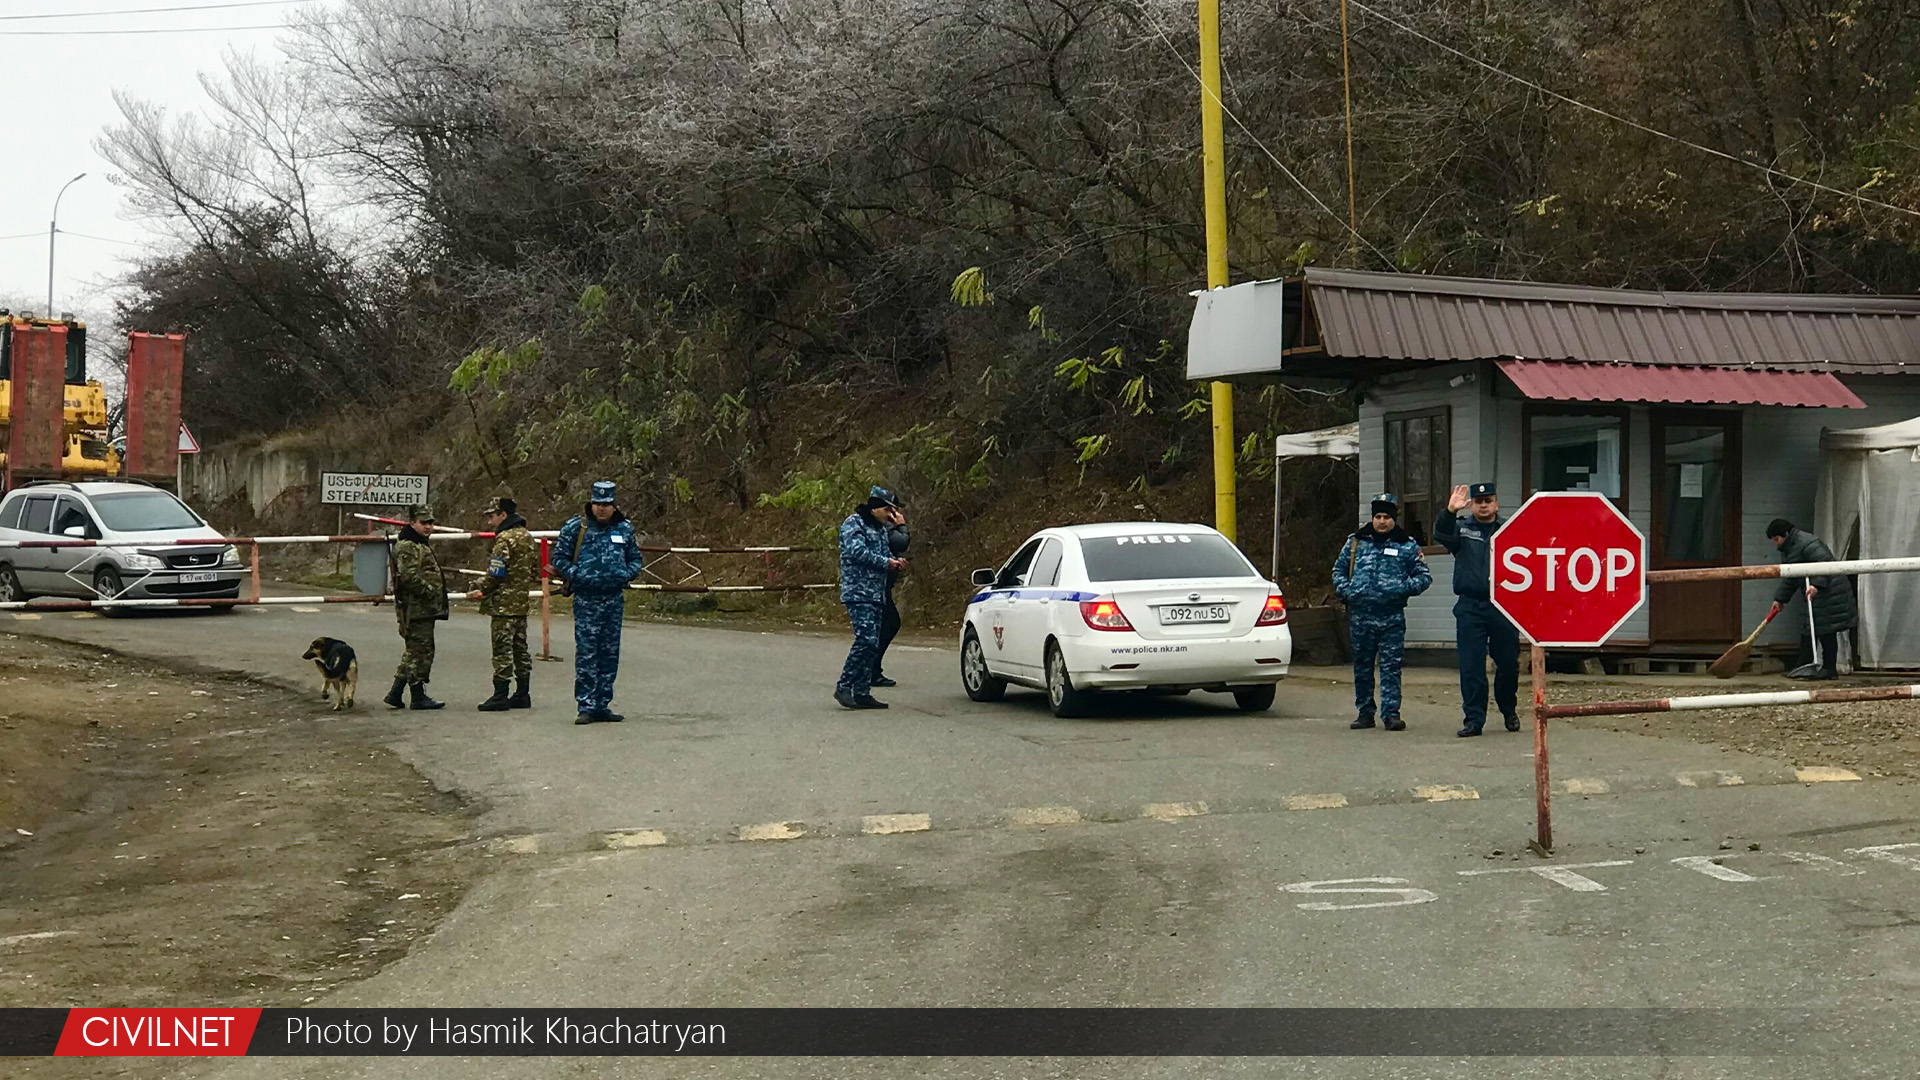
{"x":897,"y":540}
{"x":1831,"y":596}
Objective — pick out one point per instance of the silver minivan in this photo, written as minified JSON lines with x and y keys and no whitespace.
{"x":140,"y":557}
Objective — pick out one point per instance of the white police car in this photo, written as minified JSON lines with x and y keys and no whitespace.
{"x":1130,"y":606}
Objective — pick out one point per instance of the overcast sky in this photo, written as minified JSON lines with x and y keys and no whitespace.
{"x":61,"y":66}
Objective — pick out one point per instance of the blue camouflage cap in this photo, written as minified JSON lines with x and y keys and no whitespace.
{"x":1479,"y":491}
{"x":883,"y":496}
{"x":603,"y":491}
{"x":1385,"y":503}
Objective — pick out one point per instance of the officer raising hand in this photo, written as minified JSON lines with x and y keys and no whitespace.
{"x":1479,"y":628}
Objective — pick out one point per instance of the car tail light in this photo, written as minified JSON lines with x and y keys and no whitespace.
{"x":1104,"y":614}
{"x":1274,"y":613}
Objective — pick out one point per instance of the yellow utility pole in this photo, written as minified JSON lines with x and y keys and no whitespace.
{"x":1214,"y":160}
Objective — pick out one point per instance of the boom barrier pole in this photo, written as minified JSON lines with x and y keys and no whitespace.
{"x":1542,"y":787}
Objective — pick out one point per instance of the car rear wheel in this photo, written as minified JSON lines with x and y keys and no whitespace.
{"x":106,"y":582}
{"x":11,"y":591}
{"x":974,"y":676}
{"x":1254,"y":698}
{"x":1066,"y":701}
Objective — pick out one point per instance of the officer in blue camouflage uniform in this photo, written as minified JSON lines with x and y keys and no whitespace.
{"x":1479,"y":628}
{"x":1378,"y":570}
{"x":597,"y":556}
{"x":897,"y":540}
{"x":865,"y":561}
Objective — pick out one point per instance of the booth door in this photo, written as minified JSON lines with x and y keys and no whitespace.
{"x":1696,"y":522}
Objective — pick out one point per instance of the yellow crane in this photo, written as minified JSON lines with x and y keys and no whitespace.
{"x":87,"y":452}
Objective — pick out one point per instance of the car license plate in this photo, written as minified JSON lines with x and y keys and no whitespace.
{"x":1194,"y":613}
{"x":196,"y":579}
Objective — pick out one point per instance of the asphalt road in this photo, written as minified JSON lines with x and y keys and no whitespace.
{"x":1177,"y":853}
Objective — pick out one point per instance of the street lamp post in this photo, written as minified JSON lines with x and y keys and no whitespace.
{"x":53,"y":227}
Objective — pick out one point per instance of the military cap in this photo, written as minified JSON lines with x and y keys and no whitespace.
{"x":1385,"y":503}
{"x":603,"y":491}
{"x":422,"y":513}
{"x":1480,"y":491}
{"x":500,"y":504}
{"x":880,"y":496}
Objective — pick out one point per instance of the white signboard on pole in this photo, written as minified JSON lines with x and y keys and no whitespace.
{"x":372,"y":489}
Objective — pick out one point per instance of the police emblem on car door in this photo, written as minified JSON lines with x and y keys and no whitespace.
{"x":1000,"y":637}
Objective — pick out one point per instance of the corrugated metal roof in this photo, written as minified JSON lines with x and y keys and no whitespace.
{"x":1416,"y":317}
{"x":1553,"y":380}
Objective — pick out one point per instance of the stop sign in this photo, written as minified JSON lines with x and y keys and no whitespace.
{"x":1568,"y":568}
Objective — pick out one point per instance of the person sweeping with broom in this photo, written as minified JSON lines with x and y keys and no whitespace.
{"x":1829,"y":597}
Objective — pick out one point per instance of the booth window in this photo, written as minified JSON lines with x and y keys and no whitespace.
{"x":1577,"y":450}
{"x":1419,"y":467}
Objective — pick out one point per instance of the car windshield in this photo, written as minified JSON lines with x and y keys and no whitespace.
{"x":144,"y":511}
{"x":1149,"y":556}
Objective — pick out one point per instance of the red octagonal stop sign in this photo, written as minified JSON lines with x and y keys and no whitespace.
{"x":1569,"y":568}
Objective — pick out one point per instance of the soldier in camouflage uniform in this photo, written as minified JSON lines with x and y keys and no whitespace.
{"x":597,"y":556}
{"x":865,"y":560}
{"x":513,"y":572}
{"x":419,"y":601}
{"x":1379,"y":568}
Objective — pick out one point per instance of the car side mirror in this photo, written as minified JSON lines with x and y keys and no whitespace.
{"x":78,"y":532}
{"x":983,"y":577}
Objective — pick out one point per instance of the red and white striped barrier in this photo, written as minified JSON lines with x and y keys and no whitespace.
{"x":1731,"y":701}
{"x":548,"y":534}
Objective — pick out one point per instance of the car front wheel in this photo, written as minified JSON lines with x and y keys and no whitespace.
{"x":1066,"y":701}
{"x":106,"y":582}
{"x":974,"y":676}
{"x":1254,"y":698}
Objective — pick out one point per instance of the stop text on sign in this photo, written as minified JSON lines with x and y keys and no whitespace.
{"x":1585,"y":568}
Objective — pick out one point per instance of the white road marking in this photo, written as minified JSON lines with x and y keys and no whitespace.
{"x":1333,"y":801}
{"x":772,"y":830}
{"x":1706,"y":865}
{"x":1559,"y":875}
{"x":633,"y":838}
{"x":1171,"y":811}
{"x":21,"y":616}
{"x":42,"y":935}
{"x":1588,"y":787}
{"x":1823,"y":774}
{"x":889,"y":824}
{"x":1028,"y":816}
{"x":307,"y":610}
{"x":1710,"y":778}
{"x":518,"y":845}
{"x":1886,"y":853}
{"x":1319,"y":888}
{"x":1808,"y":858}
{"x":1445,"y":792}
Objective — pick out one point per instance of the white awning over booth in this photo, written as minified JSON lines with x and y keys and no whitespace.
{"x":1341,"y":441}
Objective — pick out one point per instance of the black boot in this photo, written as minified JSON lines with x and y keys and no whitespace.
{"x":422,"y":701}
{"x":498,"y":702}
{"x":396,"y":697}
{"x":522,"y":693}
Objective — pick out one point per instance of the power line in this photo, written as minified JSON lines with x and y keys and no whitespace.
{"x":103,"y":239}
{"x":147,"y":30}
{"x":149,"y":10}
{"x":21,"y":236}
{"x":1271,"y":156}
{"x":1635,"y":124}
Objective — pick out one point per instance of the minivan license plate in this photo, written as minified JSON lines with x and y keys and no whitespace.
{"x":1194,"y":613}
{"x":196,"y":579}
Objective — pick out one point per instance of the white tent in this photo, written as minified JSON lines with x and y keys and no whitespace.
{"x":1868,"y":507}
{"x":1333,"y":442}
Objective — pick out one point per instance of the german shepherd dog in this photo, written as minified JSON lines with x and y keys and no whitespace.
{"x":338,"y":668}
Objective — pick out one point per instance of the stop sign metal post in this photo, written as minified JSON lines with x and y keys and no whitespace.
{"x":1569,"y":570}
